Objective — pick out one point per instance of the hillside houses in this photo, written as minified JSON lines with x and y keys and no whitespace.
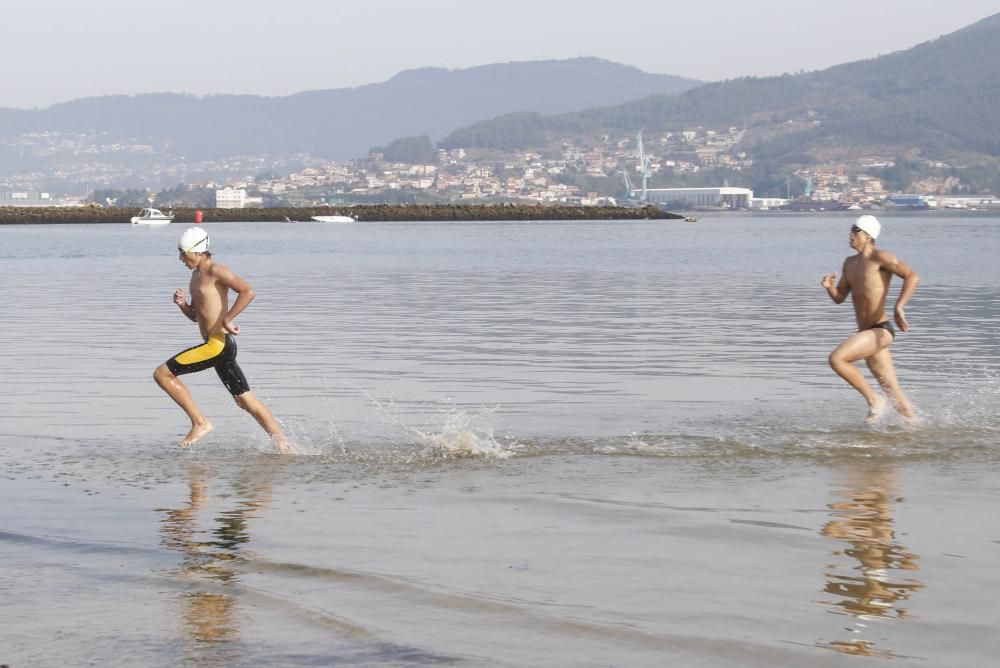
{"x":578,"y":171}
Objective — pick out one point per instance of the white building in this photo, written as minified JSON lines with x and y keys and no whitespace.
{"x":911,"y":201}
{"x":765,"y":203}
{"x":730,"y":198}
{"x":231,"y":198}
{"x":25,"y":199}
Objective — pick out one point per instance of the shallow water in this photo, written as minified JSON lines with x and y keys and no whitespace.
{"x":607,"y":443}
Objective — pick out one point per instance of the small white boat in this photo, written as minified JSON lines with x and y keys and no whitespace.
{"x":152,"y":217}
{"x":334,"y":219}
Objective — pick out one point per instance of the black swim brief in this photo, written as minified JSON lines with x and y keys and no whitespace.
{"x":886,"y":325}
{"x":219,"y":352}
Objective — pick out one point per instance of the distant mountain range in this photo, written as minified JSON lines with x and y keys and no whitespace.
{"x":343,"y":123}
{"x":941,"y":97}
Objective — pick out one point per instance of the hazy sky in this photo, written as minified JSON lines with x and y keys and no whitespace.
{"x":58,"y":50}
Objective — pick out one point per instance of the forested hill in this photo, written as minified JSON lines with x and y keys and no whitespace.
{"x":343,"y":123}
{"x":940,"y":96}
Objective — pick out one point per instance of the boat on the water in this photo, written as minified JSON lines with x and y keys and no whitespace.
{"x":152,"y":217}
{"x":334,"y":219}
{"x":690,"y":219}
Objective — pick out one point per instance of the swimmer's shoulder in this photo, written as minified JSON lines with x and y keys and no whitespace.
{"x":882,"y":255}
{"x":217,"y":270}
{"x":887,"y":261}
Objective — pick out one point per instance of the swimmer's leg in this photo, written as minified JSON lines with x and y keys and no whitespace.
{"x":884,"y":371}
{"x":251,"y":404}
{"x":178,"y":391}
{"x":858,"y":347}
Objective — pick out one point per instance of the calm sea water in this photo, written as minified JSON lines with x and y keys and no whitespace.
{"x":546,"y":443}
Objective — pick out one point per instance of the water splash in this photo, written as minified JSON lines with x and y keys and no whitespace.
{"x":460,"y":435}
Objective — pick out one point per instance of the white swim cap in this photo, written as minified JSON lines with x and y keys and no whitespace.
{"x":194,"y":240}
{"x":866,"y":223}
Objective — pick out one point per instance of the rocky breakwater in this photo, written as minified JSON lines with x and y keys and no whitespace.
{"x":363,"y":213}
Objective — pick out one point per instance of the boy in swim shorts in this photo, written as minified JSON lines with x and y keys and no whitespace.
{"x":866,"y":277}
{"x":210,"y":285}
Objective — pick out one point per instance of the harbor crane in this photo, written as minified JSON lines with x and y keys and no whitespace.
{"x":628,"y":185}
{"x":644,"y":169}
{"x":808,"y":186}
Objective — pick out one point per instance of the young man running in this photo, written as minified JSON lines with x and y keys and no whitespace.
{"x":209,"y":307}
{"x":866,"y":277}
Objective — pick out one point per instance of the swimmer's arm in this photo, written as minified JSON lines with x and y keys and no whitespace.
{"x":838,"y":291}
{"x":186,"y":308}
{"x":244,"y":295}
{"x":911,"y":279}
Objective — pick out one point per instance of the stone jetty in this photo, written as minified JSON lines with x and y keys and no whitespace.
{"x":364,"y":213}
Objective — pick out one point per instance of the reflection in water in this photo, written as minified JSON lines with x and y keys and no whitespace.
{"x":870,"y":590}
{"x":210,"y":608}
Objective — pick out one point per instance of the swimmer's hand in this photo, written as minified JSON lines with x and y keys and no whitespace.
{"x":179,"y":297}
{"x":829,"y":280}
{"x":901,"y":320}
{"x":230,"y":326}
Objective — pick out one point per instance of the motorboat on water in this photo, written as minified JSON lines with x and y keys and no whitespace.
{"x":335,"y":219}
{"x":152,"y":217}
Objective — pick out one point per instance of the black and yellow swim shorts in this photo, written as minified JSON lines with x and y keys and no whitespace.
{"x":218,"y":352}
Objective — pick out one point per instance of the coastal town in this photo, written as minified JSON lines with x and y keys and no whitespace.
{"x":595,"y":171}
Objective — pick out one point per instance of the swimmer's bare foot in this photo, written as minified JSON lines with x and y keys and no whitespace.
{"x":875,"y":410}
{"x":197,"y":432}
{"x":282,"y":444}
{"x":906,"y":410}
